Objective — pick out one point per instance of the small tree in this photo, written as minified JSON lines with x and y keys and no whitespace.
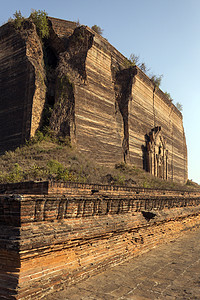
{"x":18,"y":19}
{"x":156,"y":79}
{"x":39,"y":18}
{"x":97,"y":29}
{"x":144,"y":68}
{"x":179,"y":106}
{"x":168,"y":96}
{"x":134,"y":59}
{"x":78,"y":23}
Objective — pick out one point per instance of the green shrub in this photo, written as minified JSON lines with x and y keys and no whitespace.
{"x":179,"y":106}
{"x":18,"y":19}
{"x":146,"y":184}
{"x":134,"y":59}
{"x":58,"y":172}
{"x":168,"y":96}
{"x":38,"y":137}
{"x":54,"y":166}
{"x":64,"y":140}
{"x":97,"y":29}
{"x":120,"y":179}
{"x":16,"y":174}
{"x":40,"y":20}
{"x":35,"y":172}
{"x":38,"y":17}
{"x":156,"y":79}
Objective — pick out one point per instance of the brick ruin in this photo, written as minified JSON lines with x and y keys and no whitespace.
{"x":56,"y":234}
{"x":109,"y":109}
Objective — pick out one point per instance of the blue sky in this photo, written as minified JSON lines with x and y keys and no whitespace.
{"x":164,"y":33}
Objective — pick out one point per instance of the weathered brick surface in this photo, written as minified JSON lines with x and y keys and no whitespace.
{"x":22,"y":87}
{"x":169,"y":271}
{"x":53,"y":240}
{"x":62,"y":28}
{"x":17,"y":83}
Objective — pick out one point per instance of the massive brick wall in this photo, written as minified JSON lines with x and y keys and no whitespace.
{"x":17,"y":89}
{"x":106,"y":107}
{"x":22,"y":84}
{"x":119,"y":106}
{"x":76,"y":230}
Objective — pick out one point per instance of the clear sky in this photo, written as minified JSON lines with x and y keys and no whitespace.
{"x":164,"y":33}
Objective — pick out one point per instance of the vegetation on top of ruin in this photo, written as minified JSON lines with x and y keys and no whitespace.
{"x":78,"y":23}
{"x":97,"y":29}
{"x":18,"y":19}
{"x":156,"y":79}
{"x":178,"y":105}
{"x":46,"y":157}
{"x":38,"y":17}
{"x":134,"y":60}
{"x":168,"y":96}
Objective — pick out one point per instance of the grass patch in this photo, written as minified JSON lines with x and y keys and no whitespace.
{"x":47,"y":158}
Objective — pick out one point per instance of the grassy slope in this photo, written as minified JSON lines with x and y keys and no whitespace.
{"x":48,"y":160}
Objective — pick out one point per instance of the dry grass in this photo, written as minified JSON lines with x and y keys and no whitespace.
{"x":50,"y":160}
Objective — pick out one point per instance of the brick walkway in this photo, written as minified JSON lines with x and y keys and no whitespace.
{"x":170,"y":271}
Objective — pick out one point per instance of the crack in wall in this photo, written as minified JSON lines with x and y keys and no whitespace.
{"x":65,"y":67}
{"x":123,"y":81}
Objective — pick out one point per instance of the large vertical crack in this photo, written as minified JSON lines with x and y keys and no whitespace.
{"x":65,"y":68}
{"x":123,"y":81}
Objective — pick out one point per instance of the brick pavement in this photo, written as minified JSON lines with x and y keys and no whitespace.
{"x":169,"y":271}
